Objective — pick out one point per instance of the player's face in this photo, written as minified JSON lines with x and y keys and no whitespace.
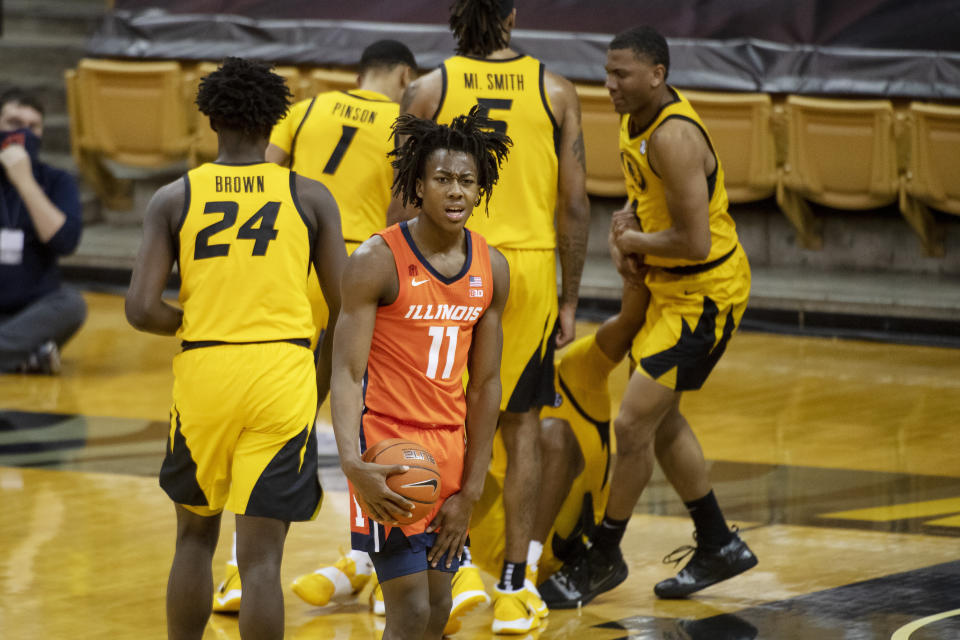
{"x":448,"y":188}
{"x":631,"y":80}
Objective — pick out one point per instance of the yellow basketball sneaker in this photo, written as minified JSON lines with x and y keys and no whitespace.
{"x":468,"y":593}
{"x":343,"y":578}
{"x":376,"y":599}
{"x":533,"y":595}
{"x":512,"y":614}
{"x":227,"y":597}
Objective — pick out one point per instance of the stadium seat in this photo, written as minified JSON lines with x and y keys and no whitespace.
{"x":841,"y":154}
{"x":932,"y":175}
{"x":601,"y":126}
{"x":133,"y":113}
{"x":203,"y":147}
{"x":740,"y":127}
{"x":321,"y":80}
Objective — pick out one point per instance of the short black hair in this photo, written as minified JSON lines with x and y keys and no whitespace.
{"x":471,"y":133}
{"x":386,"y":54}
{"x":647,"y":42}
{"x":478,"y":25}
{"x":245,"y":96}
{"x":21,"y":96}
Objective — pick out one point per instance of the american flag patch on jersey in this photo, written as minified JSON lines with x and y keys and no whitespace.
{"x":476,"y":281}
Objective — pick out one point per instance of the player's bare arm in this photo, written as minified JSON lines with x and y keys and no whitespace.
{"x":277,"y":155}
{"x":144,"y":305}
{"x":678,"y":154}
{"x":422,"y":99}
{"x":369,"y":279}
{"x":329,"y":258}
{"x":483,"y":406}
{"x":573,"y":207}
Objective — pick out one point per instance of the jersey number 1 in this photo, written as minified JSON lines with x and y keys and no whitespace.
{"x":433,"y":360}
{"x":337,"y":156}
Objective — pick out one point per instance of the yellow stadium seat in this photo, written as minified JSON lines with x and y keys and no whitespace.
{"x":740,"y":127}
{"x":601,"y":130}
{"x":73,"y":112}
{"x":321,"y":80}
{"x":133,"y":113}
{"x":841,"y":154}
{"x":203,"y":147}
{"x":932,"y":176}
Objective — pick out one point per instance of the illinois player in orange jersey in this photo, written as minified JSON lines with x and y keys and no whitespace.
{"x":422,"y":302}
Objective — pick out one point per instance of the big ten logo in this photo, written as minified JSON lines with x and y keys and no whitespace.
{"x":632,"y":171}
{"x":412,"y":270}
{"x":418,"y":454}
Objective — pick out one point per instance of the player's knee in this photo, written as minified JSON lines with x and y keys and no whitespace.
{"x":412,"y":616}
{"x":196,"y":529}
{"x":440,"y":609}
{"x":633,"y":435}
{"x":521,"y":437}
{"x":557,"y":441}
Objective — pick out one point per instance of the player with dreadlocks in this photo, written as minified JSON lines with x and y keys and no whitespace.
{"x":243,"y":232}
{"x":422,"y":302}
{"x":540,"y":211}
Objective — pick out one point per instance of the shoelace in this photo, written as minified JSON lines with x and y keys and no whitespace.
{"x":677,"y":556}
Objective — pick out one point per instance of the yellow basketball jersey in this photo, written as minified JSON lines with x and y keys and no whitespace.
{"x":645,"y":188}
{"x":512,"y":94}
{"x":244,"y":255}
{"x":341,"y":138}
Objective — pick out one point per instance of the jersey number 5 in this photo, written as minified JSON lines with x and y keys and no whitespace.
{"x":266,"y":216}
{"x":500,"y":104}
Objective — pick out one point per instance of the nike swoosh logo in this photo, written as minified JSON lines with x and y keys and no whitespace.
{"x":423,"y":483}
{"x":417,"y":283}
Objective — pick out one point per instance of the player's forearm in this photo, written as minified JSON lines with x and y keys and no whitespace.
{"x":346,"y":402}
{"x":573,"y":228}
{"x":669,"y":243}
{"x":156,"y":317}
{"x":324,"y":361}
{"x":483,"y":409}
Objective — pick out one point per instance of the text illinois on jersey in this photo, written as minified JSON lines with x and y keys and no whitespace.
{"x":457,"y":313}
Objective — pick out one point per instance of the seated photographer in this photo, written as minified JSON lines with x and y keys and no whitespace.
{"x":40,"y":220}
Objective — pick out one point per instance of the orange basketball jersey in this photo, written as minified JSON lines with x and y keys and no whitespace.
{"x":421,"y":341}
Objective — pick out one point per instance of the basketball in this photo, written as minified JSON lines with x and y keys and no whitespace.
{"x":421,"y":482}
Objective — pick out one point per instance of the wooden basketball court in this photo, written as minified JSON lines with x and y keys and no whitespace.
{"x":837,"y":460}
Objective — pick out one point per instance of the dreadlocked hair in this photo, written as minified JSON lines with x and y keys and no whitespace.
{"x":244,"y":95}
{"x":471,"y":133}
{"x":477,"y":25}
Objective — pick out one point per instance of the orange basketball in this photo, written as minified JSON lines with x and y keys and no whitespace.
{"x":421,"y":482}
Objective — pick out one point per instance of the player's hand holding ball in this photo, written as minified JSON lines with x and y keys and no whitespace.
{"x":397,"y":483}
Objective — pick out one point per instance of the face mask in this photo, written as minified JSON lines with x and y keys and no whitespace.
{"x":23,"y":137}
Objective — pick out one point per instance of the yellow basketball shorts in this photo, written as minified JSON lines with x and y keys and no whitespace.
{"x":321,"y":312}
{"x":529,"y":329}
{"x":689,"y":321}
{"x":241,"y":431}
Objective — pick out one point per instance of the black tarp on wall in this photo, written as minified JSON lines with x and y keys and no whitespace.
{"x":860,"y":47}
